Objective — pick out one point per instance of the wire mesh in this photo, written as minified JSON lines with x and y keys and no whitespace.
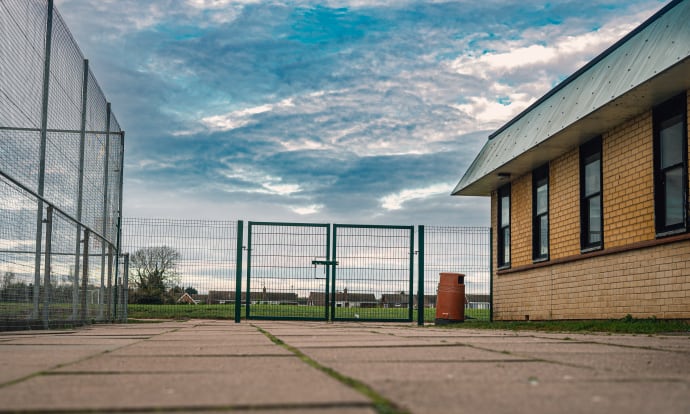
{"x":373,"y":277}
{"x":282,"y":281}
{"x":63,"y":294}
{"x":51,"y":117}
{"x":462,"y":250}
{"x":180,"y":268}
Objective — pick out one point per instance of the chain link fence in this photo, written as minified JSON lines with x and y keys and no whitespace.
{"x":61,"y":161}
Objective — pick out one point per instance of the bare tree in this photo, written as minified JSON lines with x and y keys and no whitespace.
{"x":154,"y":270}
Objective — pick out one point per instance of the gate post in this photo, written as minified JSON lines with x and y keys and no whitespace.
{"x":491,"y":274}
{"x":238,"y":271}
{"x":420,"y":277}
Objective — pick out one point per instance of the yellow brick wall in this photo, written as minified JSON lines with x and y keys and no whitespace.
{"x":628,"y":193}
{"x":521,"y":221}
{"x":653,"y":281}
{"x":564,"y":205}
{"x":648,"y":282}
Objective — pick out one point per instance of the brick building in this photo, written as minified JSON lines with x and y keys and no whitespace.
{"x":589,"y":186}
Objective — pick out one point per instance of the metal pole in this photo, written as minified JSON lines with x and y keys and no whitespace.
{"x":125,"y":287}
{"x":46,"y":275}
{"x":110,"y":282}
{"x":119,"y":212}
{"x":104,"y":218}
{"x":85,"y":277}
{"x":238,"y":271}
{"x":410,"y":297}
{"x":249,"y":271}
{"x":80,"y":189}
{"x":420,"y":277}
{"x":42,"y":155}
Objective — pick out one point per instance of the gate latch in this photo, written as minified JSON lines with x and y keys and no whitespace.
{"x":324,"y":262}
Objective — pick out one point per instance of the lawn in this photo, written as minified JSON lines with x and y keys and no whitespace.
{"x":227,"y":311}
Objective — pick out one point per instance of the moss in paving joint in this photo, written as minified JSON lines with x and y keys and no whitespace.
{"x":381,"y":404}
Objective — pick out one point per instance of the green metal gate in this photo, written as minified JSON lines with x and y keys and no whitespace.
{"x":282,"y":281}
{"x":374,"y":276}
{"x":291,"y":272}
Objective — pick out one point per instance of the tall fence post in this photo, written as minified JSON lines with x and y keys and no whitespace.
{"x":104,"y":217}
{"x":109,"y":291}
{"x":80,"y":188}
{"x":85,"y":277}
{"x":118,"y":236}
{"x":42,"y":154}
{"x":420,"y":277}
{"x":125,"y":288}
{"x":46,"y":275}
{"x":410,"y":300}
{"x":238,"y":271}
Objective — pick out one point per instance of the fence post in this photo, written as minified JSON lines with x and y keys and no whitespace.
{"x":410,"y":300}
{"x":42,"y":154}
{"x":80,"y":188}
{"x":238,"y":271}
{"x":125,"y":287}
{"x":420,"y":277}
{"x":104,"y":217}
{"x":119,"y":221}
{"x":491,"y":274}
{"x":110,"y":283}
{"x":46,"y":275}
{"x":85,"y":277}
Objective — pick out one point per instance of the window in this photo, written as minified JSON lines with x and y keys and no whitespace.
{"x":504,"y":226}
{"x":540,"y":213}
{"x":591,"y":228}
{"x":671,"y":166}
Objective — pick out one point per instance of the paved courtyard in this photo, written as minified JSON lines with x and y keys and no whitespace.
{"x":292,"y":367}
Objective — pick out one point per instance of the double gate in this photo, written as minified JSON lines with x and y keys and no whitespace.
{"x":336,"y":272}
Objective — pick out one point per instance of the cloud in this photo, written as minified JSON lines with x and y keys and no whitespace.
{"x":340,"y":110}
{"x":395,"y":201}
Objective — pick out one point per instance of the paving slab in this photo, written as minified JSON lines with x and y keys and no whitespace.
{"x":166,"y":349}
{"x":406,"y":354}
{"x":175,"y":364}
{"x":263,"y":385}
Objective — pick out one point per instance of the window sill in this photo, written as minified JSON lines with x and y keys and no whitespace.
{"x":540,"y":259}
{"x":592,"y":249}
{"x":504,"y":267}
{"x":671,"y":233}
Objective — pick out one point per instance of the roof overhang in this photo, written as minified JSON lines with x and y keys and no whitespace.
{"x":644,"y":69}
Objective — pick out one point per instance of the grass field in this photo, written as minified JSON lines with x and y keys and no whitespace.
{"x":625,"y":325}
{"x":227,"y":311}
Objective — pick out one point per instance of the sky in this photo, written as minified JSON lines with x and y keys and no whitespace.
{"x":346,"y":111}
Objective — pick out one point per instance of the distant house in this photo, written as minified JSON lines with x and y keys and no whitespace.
{"x":589,"y":186}
{"x":344,"y":299}
{"x":220,"y":297}
{"x":187,"y":298}
{"x":429,"y":301}
{"x":395,"y":300}
{"x":261,"y":297}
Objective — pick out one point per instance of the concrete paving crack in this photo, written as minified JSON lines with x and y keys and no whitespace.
{"x":381,"y":404}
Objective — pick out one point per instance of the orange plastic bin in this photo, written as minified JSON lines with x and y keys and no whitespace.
{"x":450,"y":299}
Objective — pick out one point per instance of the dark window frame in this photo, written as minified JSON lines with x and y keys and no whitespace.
{"x":587,"y":150}
{"x":504,"y":191}
{"x":676,"y":106}
{"x":540,"y":175}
